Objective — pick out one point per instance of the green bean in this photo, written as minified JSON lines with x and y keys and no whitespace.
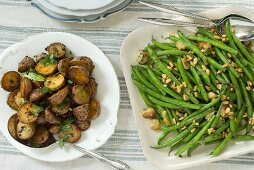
{"x":183,"y":72}
{"x":240,"y":115}
{"x":162,"y":137}
{"x":237,"y":90}
{"x":217,"y":117}
{"x":215,"y":43}
{"x":145,"y":98}
{"x":215,"y":64}
{"x":192,"y":135}
{"x":165,"y":117}
{"x":232,"y":125}
{"x":157,"y":72}
{"x":191,"y":78}
{"x":225,"y":77}
{"x":192,"y":149}
{"x":212,"y":138}
{"x":205,"y":32}
{"x":174,"y":115}
{"x":171,"y":52}
{"x":173,"y":38}
{"x":164,"y":104}
{"x":175,"y":146}
{"x":219,"y":77}
{"x":161,"y":45}
{"x":219,"y":148}
{"x":221,"y":128}
{"x":245,"y":137}
{"x":213,"y":79}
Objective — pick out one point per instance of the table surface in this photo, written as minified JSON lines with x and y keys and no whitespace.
{"x":19,"y":20}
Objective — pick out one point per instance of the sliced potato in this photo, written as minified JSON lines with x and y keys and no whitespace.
{"x":54,"y":82}
{"x":80,"y":94}
{"x":51,"y":117}
{"x":94,"y":109}
{"x":18,"y":99}
{"x":92,"y":87}
{"x":83,"y":61}
{"x":36,"y":95}
{"x":11,"y":100}
{"x":58,"y":97}
{"x":38,"y":83}
{"x":41,"y":120}
{"x":83,"y":125}
{"x":12,"y":126}
{"x":78,"y":74}
{"x":58,"y":49}
{"x":72,"y":135}
{"x":41,"y":135}
{"x":39,"y":57}
{"x":64,"y":65}
{"x":10,"y":81}
{"x":62,"y":108}
{"x":25,"y":131}
{"x":81,"y":112}
{"x":45,"y":69}
{"x":28,"y":112}
{"x":25,"y":64}
{"x":26,"y":87}
{"x":54,"y":129}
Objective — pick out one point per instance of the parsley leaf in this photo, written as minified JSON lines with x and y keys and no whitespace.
{"x":36,"y":109}
{"x":33,"y":76}
{"x":62,"y":141}
{"x":69,"y":81}
{"x":22,"y":101}
{"x":46,"y":90}
{"x":65,"y":125}
{"x":48,"y":60}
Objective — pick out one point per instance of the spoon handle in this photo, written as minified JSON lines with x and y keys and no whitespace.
{"x":117,"y":164}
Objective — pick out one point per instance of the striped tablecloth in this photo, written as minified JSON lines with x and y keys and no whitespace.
{"x":19,"y":20}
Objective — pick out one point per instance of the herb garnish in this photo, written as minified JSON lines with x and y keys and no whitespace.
{"x":48,"y":60}
{"x":62,"y":141}
{"x":22,"y":101}
{"x":69,"y":81}
{"x":46,"y":90}
{"x":65,"y":126}
{"x":36,"y":109}
{"x":32,"y":75}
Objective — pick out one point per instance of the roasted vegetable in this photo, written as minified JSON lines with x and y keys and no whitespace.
{"x":83,"y":61}
{"x":58,"y":49}
{"x":47,"y":65}
{"x":63,"y":66}
{"x":62,"y":108}
{"x":51,"y":117}
{"x":78,"y":74}
{"x":38,"y":84}
{"x":26,"y":87}
{"x":12,"y":126}
{"x":28,"y":112}
{"x":94,"y":109}
{"x":25,"y":131}
{"x":54,"y":82}
{"x":10,"y":81}
{"x":36,"y":95}
{"x":92,"y":87}
{"x":40,"y":136}
{"x":18,"y":99}
{"x":71,"y":135}
{"x":11,"y":100}
{"x":83,"y":125}
{"x":41,"y":120}
{"x":80,"y":94}
{"x":54,"y":129}
{"x":58,"y":97}
{"x":25,"y":64}
{"x":81,"y":112}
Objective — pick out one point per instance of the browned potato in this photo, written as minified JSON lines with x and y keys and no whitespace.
{"x":58,"y":97}
{"x":25,"y":64}
{"x":72,"y":135}
{"x":11,"y":100}
{"x":10,"y":81}
{"x":62,"y":108}
{"x":83,"y":125}
{"x":40,"y":136}
{"x":26,"y":87}
{"x":81,"y":112}
{"x":78,"y":74}
{"x":45,"y":66}
{"x":80,"y":94}
{"x":83,"y":61}
{"x":18,"y":99}
{"x":54,"y":129}
{"x":64,"y":65}
{"x":12,"y":126}
{"x":51,"y":117}
{"x":38,"y":83}
{"x":25,"y":131}
{"x":36,"y":95}
{"x":28,"y":112}
{"x":41,"y":120}
{"x":54,"y":82}
{"x":94,"y":109}
{"x":92,"y":87}
{"x":58,"y":49}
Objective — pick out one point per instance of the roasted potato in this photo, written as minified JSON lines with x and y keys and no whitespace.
{"x":25,"y":131}
{"x":10,"y":81}
{"x":26,"y":87}
{"x":25,"y":64}
{"x":12,"y":126}
{"x":94,"y":109}
{"x":41,"y":135}
{"x":83,"y":125}
{"x":18,"y":99}
{"x":11,"y":100}
{"x":39,"y":57}
{"x":64,"y":65}
{"x":78,"y":74}
{"x":41,"y":120}
{"x":58,"y":97}
{"x":62,"y":108}
{"x":28,"y":112}
{"x":54,"y":129}
{"x":36,"y":95}
{"x":51,"y":117}
{"x":83,"y":61}
{"x":58,"y":49}
{"x":38,"y":84}
{"x":46,"y":66}
{"x":80,"y":94}
{"x":72,"y":135}
{"x":54,"y":82}
{"x":81,"y":112}
{"x":92,"y":87}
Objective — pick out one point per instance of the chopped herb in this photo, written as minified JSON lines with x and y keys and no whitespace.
{"x":46,"y":90}
{"x":43,"y":104}
{"x":65,"y":125}
{"x":33,"y":76}
{"x":22,"y":101}
{"x":35,"y":145}
{"x":69,"y":81}
{"x":37,"y":109}
{"x":60,"y":107}
{"x":70,"y":109}
{"x":48,"y":60}
{"x":61,"y":141}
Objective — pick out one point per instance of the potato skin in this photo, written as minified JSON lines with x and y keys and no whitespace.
{"x":12,"y":126}
{"x":64,"y":65}
{"x":61,"y":109}
{"x":58,"y":97}
{"x":38,"y":84}
{"x":41,"y":120}
{"x":41,"y":135}
{"x":58,"y":49}
{"x":80,"y":94}
{"x":83,"y":61}
{"x":92,"y":87}
{"x":51,"y":117}
{"x":25,"y":64}
{"x":36,"y":95}
{"x":26,"y":87}
{"x":54,"y":129}
{"x":11,"y":100}
{"x":81,"y":112}
{"x":73,"y":132}
{"x":83,"y":125}
{"x":18,"y":98}
{"x":94,"y":109}
{"x":78,"y":74}
{"x":25,"y":131}
{"x":25,"y":113}
{"x":10,"y":81}
{"x":54,"y":82}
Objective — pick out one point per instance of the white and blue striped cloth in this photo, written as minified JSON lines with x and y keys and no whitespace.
{"x":19,"y":20}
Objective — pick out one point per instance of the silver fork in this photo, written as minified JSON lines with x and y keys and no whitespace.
{"x":206,"y":22}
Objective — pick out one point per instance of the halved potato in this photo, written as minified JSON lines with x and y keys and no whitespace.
{"x":72,"y":135}
{"x":45,"y":69}
{"x":11,"y":100}
{"x":61,"y":109}
{"x":41,"y":120}
{"x":38,"y":83}
{"x":92,"y":87}
{"x":25,"y":64}
{"x":83,"y":125}
{"x":26,"y":87}
{"x":10,"y":81}
{"x":18,"y":99}
{"x":25,"y":131}
{"x":64,"y":65}
{"x":80,"y":94}
{"x":28,"y":112}
{"x":54,"y":82}
{"x":54,"y":129}
{"x":12,"y":126}
{"x":51,"y":117}
{"x":94,"y":109}
{"x":81,"y":112}
{"x":40,"y":136}
{"x":58,"y":49}
{"x":78,"y":74}
{"x":58,"y":97}
{"x":83,"y":61}
{"x":36,"y":95}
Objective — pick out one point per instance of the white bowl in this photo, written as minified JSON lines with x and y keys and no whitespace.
{"x":108,"y":93}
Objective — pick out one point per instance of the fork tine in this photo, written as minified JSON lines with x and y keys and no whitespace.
{"x":165,"y":22}
{"x":162,"y":8}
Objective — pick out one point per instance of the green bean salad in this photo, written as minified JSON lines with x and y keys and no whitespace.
{"x":199,"y":87}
